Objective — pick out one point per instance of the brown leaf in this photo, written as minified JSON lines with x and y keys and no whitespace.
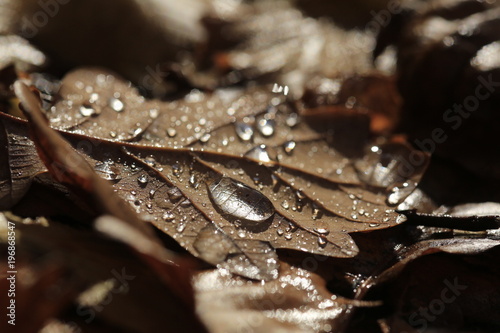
{"x":313,"y":206}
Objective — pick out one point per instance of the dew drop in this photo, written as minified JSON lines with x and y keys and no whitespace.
{"x":150,"y":160}
{"x":244,"y":131}
{"x":87,"y":111}
{"x":107,"y":171}
{"x":288,"y":236}
{"x":292,"y":120}
{"x":171,"y":132}
{"x":322,"y":231}
{"x":153,"y":113}
{"x":322,"y":241}
{"x":93,"y":98}
{"x":259,"y":153}
{"x":240,"y":201}
{"x":193,"y":181}
{"x":285,"y":204}
{"x":176,"y":170}
{"x":185,"y":203}
{"x":316,"y":213}
{"x":116,"y":104}
{"x":266,"y":127}
{"x":174,"y":194}
{"x":205,"y":137}
{"x":289,"y":146}
{"x":280,"y":232}
{"x":181,"y":227}
{"x":143,"y":179}
{"x":300,"y":195}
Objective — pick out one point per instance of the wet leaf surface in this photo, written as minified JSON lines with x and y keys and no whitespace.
{"x":185,"y":190}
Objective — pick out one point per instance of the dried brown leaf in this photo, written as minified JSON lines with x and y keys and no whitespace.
{"x":168,"y":178}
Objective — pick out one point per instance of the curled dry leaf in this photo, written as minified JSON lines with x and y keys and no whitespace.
{"x":191,"y":171}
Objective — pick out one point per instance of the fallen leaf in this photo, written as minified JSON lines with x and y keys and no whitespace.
{"x":170,"y":187}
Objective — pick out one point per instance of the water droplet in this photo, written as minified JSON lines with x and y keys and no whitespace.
{"x":285,"y":204}
{"x":205,"y":137}
{"x":292,"y":120}
{"x":87,"y":111}
{"x":259,"y":153}
{"x":280,"y":232}
{"x":288,"y":236}
{"x":180,"y":228}
{"x":401,"y":219}
{"x":322,"y":241}
{"x":300,"y":195}
{"x":113,"y":134}
{"x":266,"y":127}
{"x":244,"y":131}
{"x":193,"y":181}
{"x":176,"y":170}
{"x":373,"y":225}
{"x":153,"y":113}
{"x":289,"y":146}
{"x":240,"y":201}
{"x":399,"y":193}
{"x":174,"y":194}
{"x":322,"y":231}
{"x":316,"y":213}
{"x":152,"y":194}
{"x":185,"y":203}
{"x":171,"y":132}
{"x":93,"y":98}
{"x":143,"y":179}
{"x":150,"y":160}
{"x":107,"y":171}
{"x":116,"y":104}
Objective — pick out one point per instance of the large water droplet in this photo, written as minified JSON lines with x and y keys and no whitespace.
{"x":116,"y":104}
{"x":244,"y":131}
{"x":240,"y":201}
{"x":266,"y":126}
